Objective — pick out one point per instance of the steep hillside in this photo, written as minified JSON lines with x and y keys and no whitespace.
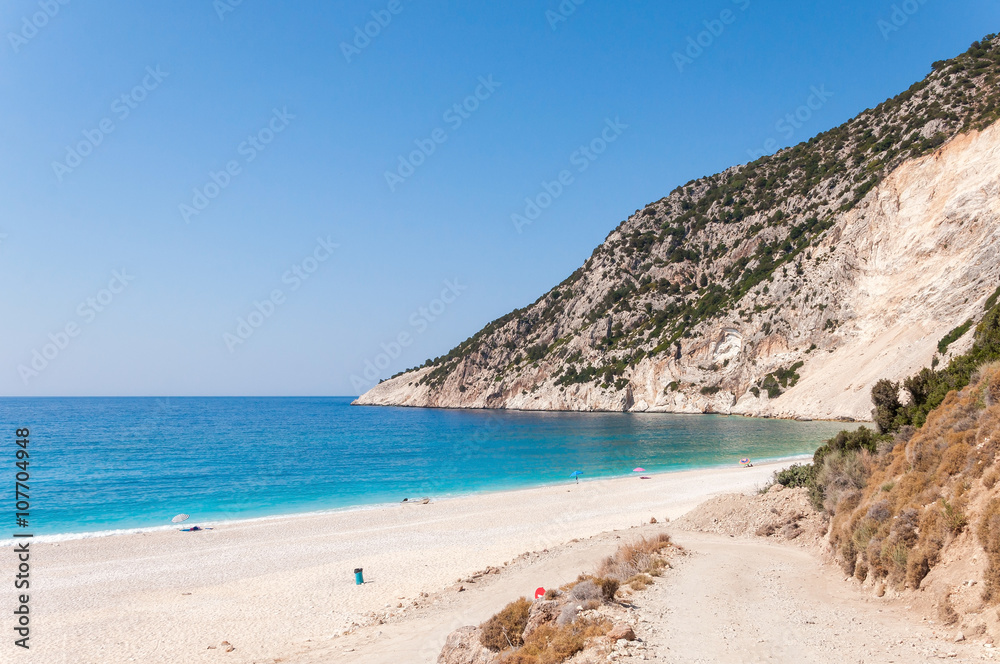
{"x":784,"y":287}
{"x":926,"y":512}
{"x":914,"y":505}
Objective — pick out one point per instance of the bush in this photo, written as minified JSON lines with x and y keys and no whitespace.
{"x":954,"y":518}
{"x":795,"y":476}
{"x":885,"y":396}
{"x":504,"y":629}
{"x":567,"y":614}
{"x":637,"y":557}
{"x":843,"y":474}
{"x":552,"y":644}
{"x":608,"y":588}
{"x":954,"y":336}
{"x":585,"y":590}
{"x":860,"y":439}
{"x":879,"y":512}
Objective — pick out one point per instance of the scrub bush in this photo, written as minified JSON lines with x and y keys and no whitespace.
{"x":505,"y":628}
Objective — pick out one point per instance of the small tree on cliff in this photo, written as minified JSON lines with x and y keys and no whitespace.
{"x":885,"y":396}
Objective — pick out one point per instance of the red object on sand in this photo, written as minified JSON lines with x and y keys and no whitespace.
{"x":539,"y":592}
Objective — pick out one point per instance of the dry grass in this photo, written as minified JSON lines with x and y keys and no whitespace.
{"x":954,"y":516}
{"x":843,"y":476}
{"x":505,"y":628}
{"x":640,"y":582}
{"x":946,"y":611}
{"x":644,"y":555}
{"x":553,"y":644}
{"x":989,"y":537}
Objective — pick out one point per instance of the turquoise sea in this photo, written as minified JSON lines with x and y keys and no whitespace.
{"x":100,"y":464}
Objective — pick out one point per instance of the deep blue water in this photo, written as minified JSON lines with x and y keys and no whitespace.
{"x":115,"y":463}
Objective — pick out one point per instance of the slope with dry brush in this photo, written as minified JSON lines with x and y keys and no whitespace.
{"x":916,"y":504}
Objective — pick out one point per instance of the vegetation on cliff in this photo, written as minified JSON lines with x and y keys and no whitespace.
{"x":713,"y":247}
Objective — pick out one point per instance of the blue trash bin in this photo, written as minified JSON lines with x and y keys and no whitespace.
{"x":359,"y":577}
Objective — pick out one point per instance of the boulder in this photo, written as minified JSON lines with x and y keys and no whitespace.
{"x":621,"y":631}
{"x":463,"y":647}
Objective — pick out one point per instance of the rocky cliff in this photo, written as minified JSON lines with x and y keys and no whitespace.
{"x":782,"y":288}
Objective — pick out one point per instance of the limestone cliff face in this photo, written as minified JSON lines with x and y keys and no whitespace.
{"x":783,"y":288}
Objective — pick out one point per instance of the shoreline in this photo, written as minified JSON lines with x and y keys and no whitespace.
{"x":275,"y":587}
{"x":749,"y":416}
{"x":119,"y":532}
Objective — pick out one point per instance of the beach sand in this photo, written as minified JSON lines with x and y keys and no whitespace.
{"x":280,"y":589}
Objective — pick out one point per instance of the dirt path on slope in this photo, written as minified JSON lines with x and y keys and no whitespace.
{"x":738,"y":600}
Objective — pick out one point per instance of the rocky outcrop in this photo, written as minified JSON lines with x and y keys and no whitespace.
{"x":783,"y":288}
{"x":542,"y":611}
{"x":463,"y":647}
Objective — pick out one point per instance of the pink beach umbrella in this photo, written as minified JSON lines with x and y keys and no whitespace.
{"x":638,"y":470}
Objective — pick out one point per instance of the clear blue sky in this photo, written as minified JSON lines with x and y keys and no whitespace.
{"x":67,"y":223}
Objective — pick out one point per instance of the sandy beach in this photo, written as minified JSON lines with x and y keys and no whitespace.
{"x":279,"y":589}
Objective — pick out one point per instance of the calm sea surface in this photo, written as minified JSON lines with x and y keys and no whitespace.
{"x":102,"y":464}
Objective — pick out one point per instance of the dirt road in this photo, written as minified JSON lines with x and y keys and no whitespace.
{"x":739,"y":600}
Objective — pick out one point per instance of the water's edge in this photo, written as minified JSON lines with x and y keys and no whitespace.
{"x":65,"y":537}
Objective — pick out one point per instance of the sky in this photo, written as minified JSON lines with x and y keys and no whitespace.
{"x":260,"y":198}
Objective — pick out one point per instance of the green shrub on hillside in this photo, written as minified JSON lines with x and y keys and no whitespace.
{"x":953,"y":336}
{"x":928,"y":388}
{"x":795,"y":476}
